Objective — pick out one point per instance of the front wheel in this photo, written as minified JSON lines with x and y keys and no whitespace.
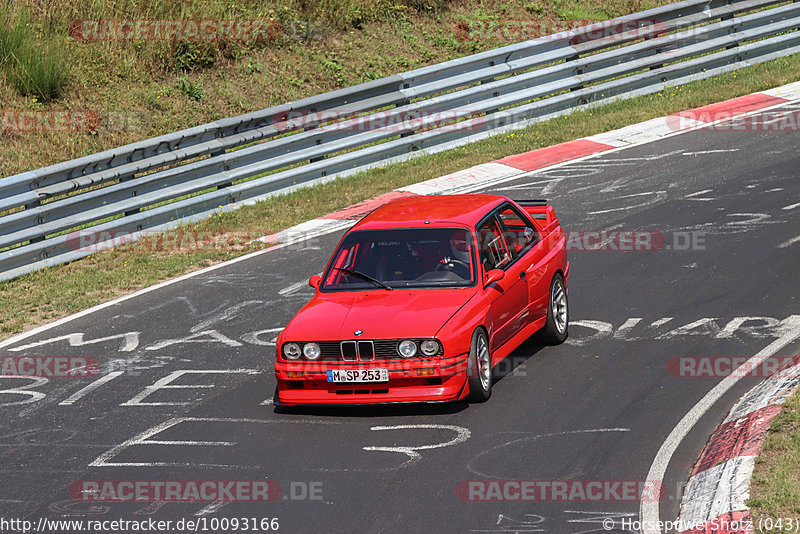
{"x":479,"y":368}
{"x":556,"y":327}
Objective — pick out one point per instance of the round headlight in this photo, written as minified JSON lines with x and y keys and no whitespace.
{"x":291,"y":351}
{"x":407,"y":348}
{"x":311,"y":351}
{"x":429,"y":347}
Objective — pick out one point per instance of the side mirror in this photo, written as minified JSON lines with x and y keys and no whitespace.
{"x":495,"y":275}
{"x":315,"y":281}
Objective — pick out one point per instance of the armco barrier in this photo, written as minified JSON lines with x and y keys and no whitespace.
{"x":250,"y":157}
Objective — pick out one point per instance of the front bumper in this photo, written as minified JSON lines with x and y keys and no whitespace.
{"x":414,"y":380}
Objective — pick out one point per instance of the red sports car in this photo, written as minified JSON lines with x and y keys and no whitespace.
{"x":422,"y":298}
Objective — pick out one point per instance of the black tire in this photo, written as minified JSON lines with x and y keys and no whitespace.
{"x":479,"y":372}
{"x":556,"y":329}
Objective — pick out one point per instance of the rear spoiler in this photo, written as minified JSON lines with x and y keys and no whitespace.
{"x":539,"y":209}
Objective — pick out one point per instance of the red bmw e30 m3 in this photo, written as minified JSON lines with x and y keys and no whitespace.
{"x":422,"y":298}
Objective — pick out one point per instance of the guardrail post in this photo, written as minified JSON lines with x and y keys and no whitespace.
{"x":38,"y":221}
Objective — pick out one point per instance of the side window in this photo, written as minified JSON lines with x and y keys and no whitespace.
{"x":493,"y":251}
{"x":518,"y":232}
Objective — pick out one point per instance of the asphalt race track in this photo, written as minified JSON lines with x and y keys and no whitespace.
{"x":594,"y":409}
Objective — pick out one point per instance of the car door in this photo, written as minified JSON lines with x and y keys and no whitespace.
{"x":508,"y":297}
{"x":529,"y":252}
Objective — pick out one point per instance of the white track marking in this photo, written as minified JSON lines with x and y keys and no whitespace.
{"x":213,"y":337}
{"x":254,"y":338}
{"x":627,"y":326}
{"x":130,"y":340}
{"x":294,"y":288}
{"x":211,"y":508}
{"x":698,"y":193}
{"x":224,"y":315}
{"x":663,"y":320}
{"x":583,"y":160}
{"x":700,"y":152}
{"x":659,"y":195}
{"x":534,"y":437}
{"x":791,"y":206}
{"x":649,"y":512}
{"x":91,"y":387}
{"x":165,"y":383}
{"x":600,"y":519}
{"x":142,"y":439}
{"x":150,"y":508}
{"x":789,"y":242}
{"x":33,"y":396}
{"x":462,"y":435}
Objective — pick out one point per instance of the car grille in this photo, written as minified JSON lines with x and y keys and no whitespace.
{"x":364,"y":350}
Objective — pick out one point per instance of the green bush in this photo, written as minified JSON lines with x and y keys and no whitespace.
{"x":36,"y":71}
{"x":190,"y":90}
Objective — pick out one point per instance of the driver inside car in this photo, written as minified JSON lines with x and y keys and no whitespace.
{"x":457,"y":260}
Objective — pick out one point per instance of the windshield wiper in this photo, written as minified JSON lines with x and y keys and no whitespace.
{"x":363,"y":276}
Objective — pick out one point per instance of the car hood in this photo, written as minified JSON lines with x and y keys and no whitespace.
{"x":378,"y":314}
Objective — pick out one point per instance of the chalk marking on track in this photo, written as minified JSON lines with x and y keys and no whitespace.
{"x":698,"y":193}
{"x":701,"y":152}
{"x":91,"y":387}
{"x":143,"y":439}
{"x":532,"y":438}
{"x":659,"y":196}
{"x":789,"y":242}
{"x":224,"y":315}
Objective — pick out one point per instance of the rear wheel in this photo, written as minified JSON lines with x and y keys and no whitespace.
{"x":479,"y":368}
{"x":555,"y":330}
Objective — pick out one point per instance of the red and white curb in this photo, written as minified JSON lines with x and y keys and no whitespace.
{"x":719,"y":483}
{"x":517,"y":165}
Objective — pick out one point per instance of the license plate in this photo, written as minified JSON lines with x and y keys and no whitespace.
{"x":358,"y":375}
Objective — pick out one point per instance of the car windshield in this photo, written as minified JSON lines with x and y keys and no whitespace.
{"x":402,"y":258}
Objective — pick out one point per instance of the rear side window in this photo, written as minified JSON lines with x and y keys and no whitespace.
{"x":493,"y":251}
{"x":519,"y":234}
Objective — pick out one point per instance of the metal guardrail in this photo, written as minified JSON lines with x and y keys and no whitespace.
{"x":144,"y":186}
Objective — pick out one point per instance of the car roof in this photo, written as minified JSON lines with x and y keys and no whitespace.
{"x":437,"y":210}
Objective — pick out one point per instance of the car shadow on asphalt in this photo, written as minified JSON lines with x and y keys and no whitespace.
{"x":518,"y":357}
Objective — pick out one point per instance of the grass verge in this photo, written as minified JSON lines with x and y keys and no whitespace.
{"x":775,"y":486}
{"x":34,"y":69}
{"x":52,"y":293}
{"x":145,"y":87}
